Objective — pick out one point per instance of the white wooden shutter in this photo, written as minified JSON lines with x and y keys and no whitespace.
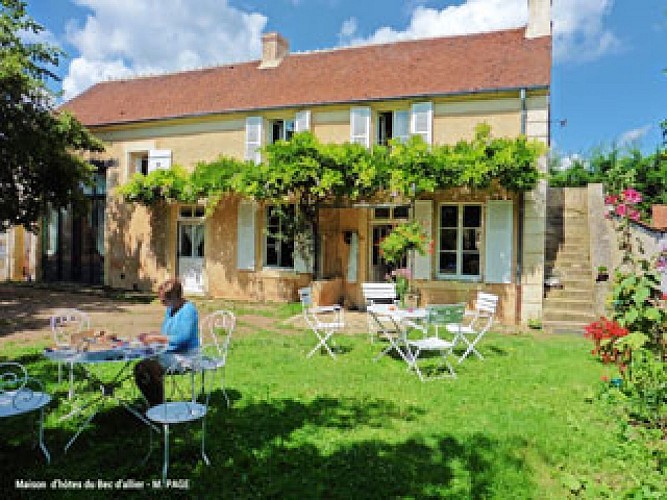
{"x":253,"y":138}
{"x":423,"y":215}
{"x":158,"y":159}
{"x":401,"y":125}
{"x":303,"y":260}
{"x":499,"y":238}
{"x":302,"y":121}
{"x":421,"y":122}
{"x":245,"y":244}
{"x":360,"y":126}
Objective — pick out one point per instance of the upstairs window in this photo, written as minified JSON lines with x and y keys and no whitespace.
{"x":392,"y":125}
{"x":281,"y":130}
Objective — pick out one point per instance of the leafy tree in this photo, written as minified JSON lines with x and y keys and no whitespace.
{"x":40,"y":149}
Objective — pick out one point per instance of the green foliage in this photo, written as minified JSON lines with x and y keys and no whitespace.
{"x":160,"y":185}
{"x":40,"y":160}
{"x":617,"y":169}
{"x":306,"y":172}
{"x":402,"y":239}
{"x":646,"y":388}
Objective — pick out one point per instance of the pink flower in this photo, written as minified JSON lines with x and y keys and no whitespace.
{"x":632,"y":196}
{"x":611,"y":199}
{"x":621,"y":210}
{"x":633,"y":214}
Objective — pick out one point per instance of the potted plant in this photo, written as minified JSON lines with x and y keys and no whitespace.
{"x":404,"y":238}
{"x":603,"y":274}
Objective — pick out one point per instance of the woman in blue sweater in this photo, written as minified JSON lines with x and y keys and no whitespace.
{"x":180,"y":331}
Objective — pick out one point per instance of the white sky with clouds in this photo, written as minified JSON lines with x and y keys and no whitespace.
{"x":121,"y":38}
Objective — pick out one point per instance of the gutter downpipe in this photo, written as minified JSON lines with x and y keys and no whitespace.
{"x":520,"y":221}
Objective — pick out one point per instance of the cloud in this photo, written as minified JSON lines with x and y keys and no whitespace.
{"x":348,"y":30}
{"x":569,"y":161}
{"x":633,"y":136}
{"x":579,"y":31}
{"x":121,"y":38}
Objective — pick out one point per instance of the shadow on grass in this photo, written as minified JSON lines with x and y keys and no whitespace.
{"x":27,"y":306}
{"x":278,"y":449}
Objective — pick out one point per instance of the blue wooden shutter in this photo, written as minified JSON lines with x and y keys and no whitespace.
{"x":253,"y":138}
{"x":158,"y":159}
{"x":360,"y":126}
{"x":499,"y":238}
{"x":302,"y":121}
{"x":245,"y":244}
{"x":421,"y":122}
{"x":424,"y":215}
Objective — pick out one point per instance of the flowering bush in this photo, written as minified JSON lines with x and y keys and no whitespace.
{"x":624,"y":204}
{"x":604,"y":334}
{"x":403,"y":238}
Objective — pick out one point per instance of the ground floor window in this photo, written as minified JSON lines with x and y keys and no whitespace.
{"x":459,"y":240}
{"x":279,"y":237}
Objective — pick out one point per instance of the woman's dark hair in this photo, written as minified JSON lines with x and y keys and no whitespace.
{"x":171,"y":289}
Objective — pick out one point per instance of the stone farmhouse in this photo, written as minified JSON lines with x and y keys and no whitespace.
{"x":439,"y":88}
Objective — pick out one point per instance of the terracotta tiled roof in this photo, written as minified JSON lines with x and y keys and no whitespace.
{"x":437,"y":66}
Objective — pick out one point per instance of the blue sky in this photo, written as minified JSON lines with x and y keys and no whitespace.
{"x":608,"y":77}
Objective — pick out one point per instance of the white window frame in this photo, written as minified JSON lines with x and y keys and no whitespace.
{"x":405,"y":113}
{"x":284,"y":132}
{"x":265,"y":245}
{"x":459,"y":243}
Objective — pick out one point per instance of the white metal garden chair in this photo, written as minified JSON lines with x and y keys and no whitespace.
{"x":448,"y":314}
{"x":66,"y":323}
{"x":324,"y":321}
{"x":383,"y":299}
{"x":183,"y":406}
{"x":475,"y":324}
{"x":215,"y":334}
{"x":20,"y":395}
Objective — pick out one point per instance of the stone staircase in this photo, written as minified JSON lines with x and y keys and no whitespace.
{"x":569,"y":301}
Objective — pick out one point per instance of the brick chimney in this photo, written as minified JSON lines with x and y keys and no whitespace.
{"x":274,"y":49}
{"x":539,"y":18}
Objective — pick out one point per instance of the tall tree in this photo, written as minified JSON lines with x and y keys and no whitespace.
{"x":41,"y":162}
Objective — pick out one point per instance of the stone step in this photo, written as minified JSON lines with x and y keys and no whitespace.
{"x":572,"y":293}
{"x":572,"y":327}
{"x":574,"y":255}
{"x":565,"y":266}
{"x":558,"y":314}
{"x":568,"y":303}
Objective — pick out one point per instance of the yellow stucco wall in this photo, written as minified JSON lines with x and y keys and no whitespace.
{"x":142,"y":242}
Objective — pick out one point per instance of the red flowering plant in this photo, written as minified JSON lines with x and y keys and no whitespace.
{"x":604,"y":333}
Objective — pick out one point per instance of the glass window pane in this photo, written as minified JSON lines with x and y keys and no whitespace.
{"x":471,"y":239}
{"x":382,"y":213}
{"x":472,"y":216}
{"x":401,"y":212}
{"x":449,"y":216}
{"x":186,"y":211}
{"x":186,"y":241}
{"x":199,"y":211}
{"x":447,"y":263}
{"x":448,"y":239}
{"x":271,"y":254}
{"x":470,"y":264}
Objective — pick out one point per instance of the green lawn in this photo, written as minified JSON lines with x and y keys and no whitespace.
{"x":523,"y":423}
